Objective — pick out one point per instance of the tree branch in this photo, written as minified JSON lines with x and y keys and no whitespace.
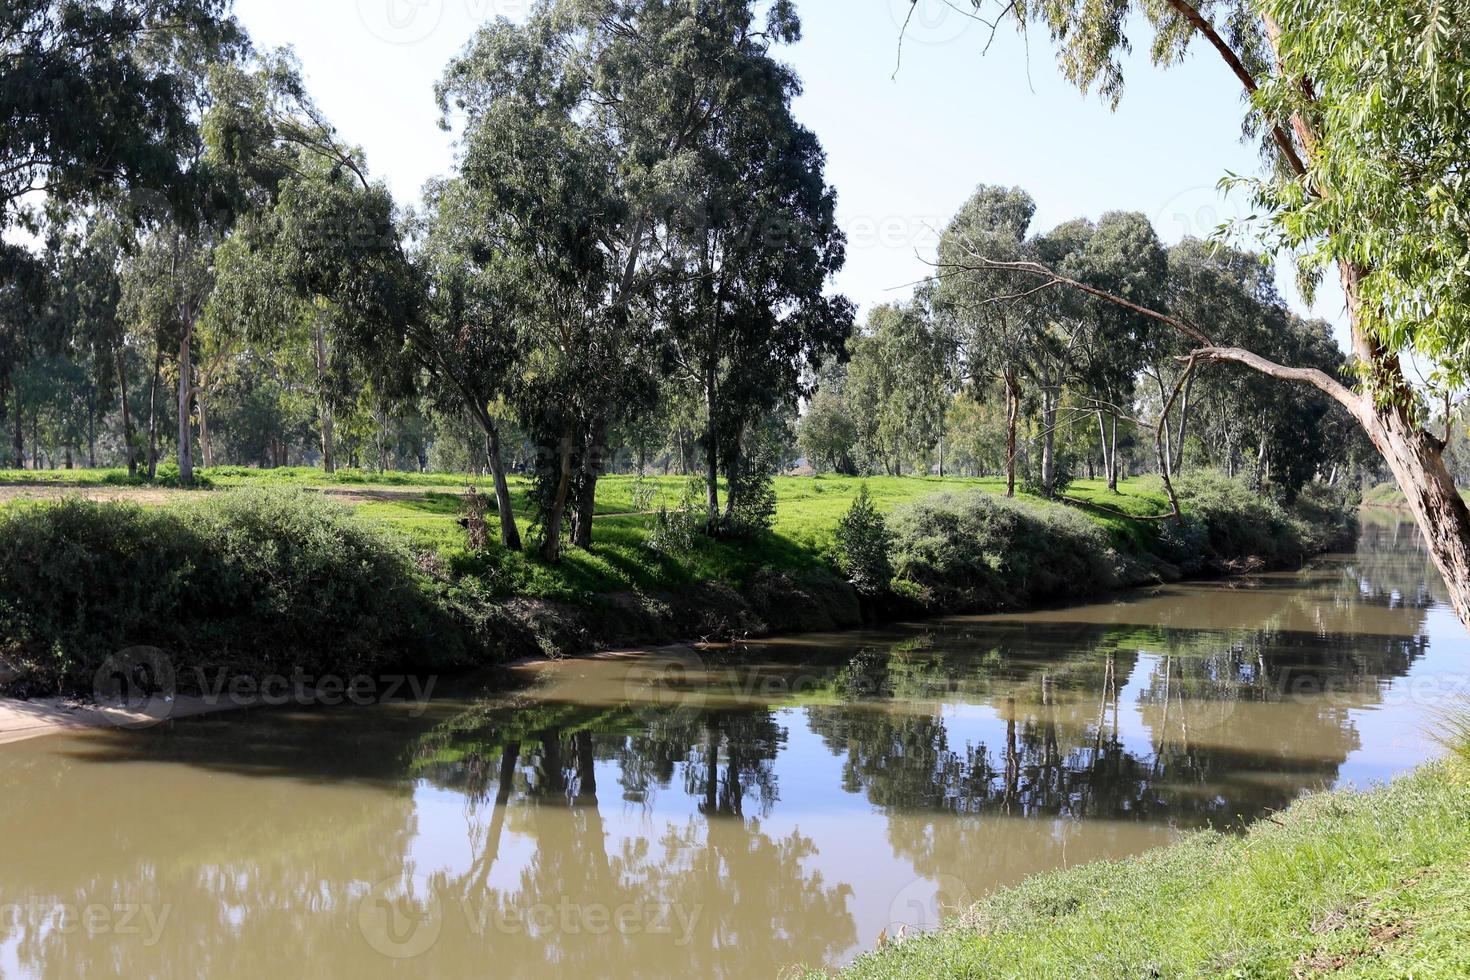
{"x":1207,"y":30}
{"x":1320,"y":380}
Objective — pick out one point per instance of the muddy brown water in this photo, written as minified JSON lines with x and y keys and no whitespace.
{"x":717,"y":812}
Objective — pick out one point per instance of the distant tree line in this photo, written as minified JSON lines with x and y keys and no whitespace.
{"x":982,"y":373}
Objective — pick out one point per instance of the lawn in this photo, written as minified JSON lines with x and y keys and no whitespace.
{"x":427,"y":506}
{"x":1343,"y":884}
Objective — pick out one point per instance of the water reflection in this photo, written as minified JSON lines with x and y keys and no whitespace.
{"x":720,"y":812}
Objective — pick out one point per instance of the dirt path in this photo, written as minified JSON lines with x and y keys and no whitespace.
{"x":147,"y":496}
{"x":158,"y":496}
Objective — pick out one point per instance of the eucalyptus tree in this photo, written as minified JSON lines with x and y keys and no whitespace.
{"x":991,"y":335}
{"x":474,"y":310}
{"x":896,"y":386}
{"x":24,"y":289}
{"x":1122,"y":255}
{"x":1360,"y":108}
{"x":85,"y":304}
{"x":94,"y":97}
{"x":745,"y":254}
{"x":165,"y":286}
{"x":579,"y":126}
{"x":301,"y":195}
{"x":1061,"y":329}
{"x":96,"y":102}
{"x":827,"y":433}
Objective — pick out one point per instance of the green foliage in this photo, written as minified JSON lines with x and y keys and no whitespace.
{"x":1387,"y":174}
{"x":827,"y":433}
{"x":94,"y":97}
{"x":1239,"y":521}
{"x":1033,"y":481}
{"x":251,"y":582}
{"x":978,"y":551}
{"x":675,"y":530}
{"x":863,"y":542}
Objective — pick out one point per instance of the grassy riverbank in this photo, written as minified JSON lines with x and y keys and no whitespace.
{"x":1343,"y":884}
{"x":271,"y":570}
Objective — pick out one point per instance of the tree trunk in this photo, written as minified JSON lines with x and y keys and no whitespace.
{"x":1048,"y":439}
{"x":18,"y":442}
{"x":551,"y":547}
{"x":1415,"y":458}
{"x":711,"y":460}
{"x":1183,"y":425}
{"x":382,"y":440}
{"x":733,"y":463}
{"x":91,"y":426}
{"x":153,"y":411}
{"x":186,"y":389}
{"x":1113,"y":457}
{"x":119,"y":354}
{"x":324,"y":404}
{"x":206,"y":447}
{"x":1013,"y":411}
{"x":586,"y":502}
{"x":1102,"y":438}
{"x":5,"y":408}
{"x":510,"y":534}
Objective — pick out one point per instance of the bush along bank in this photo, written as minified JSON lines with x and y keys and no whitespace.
{"x":977,"y":552}
{"x":270,"y":582}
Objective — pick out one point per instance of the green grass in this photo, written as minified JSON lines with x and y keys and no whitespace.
{"x":425,"y":507}
{"x":1342,"y":884}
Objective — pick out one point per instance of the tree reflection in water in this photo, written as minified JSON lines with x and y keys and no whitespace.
{"x":783,"y":800}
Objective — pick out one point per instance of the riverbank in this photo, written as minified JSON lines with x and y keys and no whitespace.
{"x":1343,"y":884}
{"x":272,"y":579}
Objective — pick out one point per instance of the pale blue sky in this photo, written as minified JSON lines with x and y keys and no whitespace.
{"x":904,"y":152}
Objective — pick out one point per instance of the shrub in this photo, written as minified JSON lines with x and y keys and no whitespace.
{"x":1240,"y":522}
{"x":674,"y":530}
{"x":979,"y":551}
{"x":250,"y":582}
{"x":755,"y":504}
{"x":1028,"y":468}
{"x":863,"y":542}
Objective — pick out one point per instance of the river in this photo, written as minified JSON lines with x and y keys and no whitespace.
{"x":717,"y":812}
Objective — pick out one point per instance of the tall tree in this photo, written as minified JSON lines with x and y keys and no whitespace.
{"x":990,"y":336}
{"x":1124,"y":256}
{"x":474,"y":311}
{"x":746,"y":251}
{"x":1360,"y":107}
{"x":125,"y":73}
{"x":24,"y":287}
{"x":579,"y":126}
